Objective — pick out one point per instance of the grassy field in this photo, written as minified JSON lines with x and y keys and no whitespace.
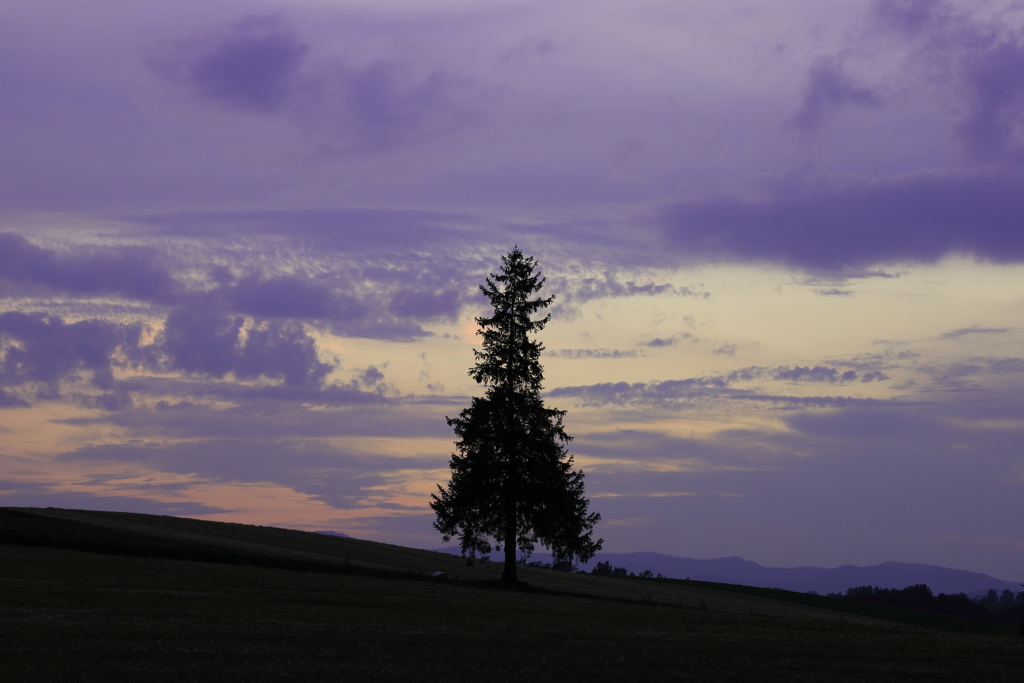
{"x":104,"y":596}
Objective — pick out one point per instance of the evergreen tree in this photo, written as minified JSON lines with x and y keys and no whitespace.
{"x":512,"y":479}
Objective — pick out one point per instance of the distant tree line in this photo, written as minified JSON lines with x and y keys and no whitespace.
{"x":600,"y":569}
{"x":562,"y":566}
{"x":1006,"y":607}
{"x":606,"y":569}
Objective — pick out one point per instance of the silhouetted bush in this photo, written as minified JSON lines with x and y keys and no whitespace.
{"x":606,"y":569}
{"x":536,"y":564}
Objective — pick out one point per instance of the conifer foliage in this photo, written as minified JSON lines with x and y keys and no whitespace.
{"x":512,"y":479}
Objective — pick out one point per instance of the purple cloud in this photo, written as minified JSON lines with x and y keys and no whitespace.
{"x":1004,"y":366}
{"x":211,"y":342}
{"x":371,"y":377}
{"x":659,"y":342}
{"x":997,"y":93}
{"x":261,"y":65}
{"x":973,"y":329}
{"x":818,"y":373}
{"x":909,"y":16}
{"x":44,"y":350}
{"x":696,"y":390}
{"x":387,"y":299}
{"x":921,"y":217}
{"x":385,"y":104}
{"x":130,"y":272}
{"x":720,"y":387}
{"x":874,"y":376}
{"x":423,"y":305}
{"x":386,"y":303}
{"x":954,"y":375}
{"x":291,"y":296}
{"x":253,"y":68}
{"x":202,"y":341}
{"x":9,"y":400}
{"x":576,"y":354}
{"x":979,"y":53}
{"x":726,"y":350}
{"x":828,"y":88}
{"x":587,"y":288}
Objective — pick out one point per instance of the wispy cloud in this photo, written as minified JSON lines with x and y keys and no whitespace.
{"x":673,"y":340}
{"x":973,"y":329}
{"x":577,"y":354}
{"x":697,"y":390}
{"x":828,"y":89}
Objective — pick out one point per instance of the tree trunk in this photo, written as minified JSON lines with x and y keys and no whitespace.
{"x":509,"y":575}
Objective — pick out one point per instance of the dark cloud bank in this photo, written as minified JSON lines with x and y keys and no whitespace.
{"x":915,"y":218}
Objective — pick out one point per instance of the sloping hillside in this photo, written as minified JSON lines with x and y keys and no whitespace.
{"x":182,"y":538}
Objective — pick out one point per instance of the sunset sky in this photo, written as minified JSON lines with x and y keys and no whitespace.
{"x":240,"y":246}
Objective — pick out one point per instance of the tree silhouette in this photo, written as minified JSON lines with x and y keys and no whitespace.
{"x":512,"y":479}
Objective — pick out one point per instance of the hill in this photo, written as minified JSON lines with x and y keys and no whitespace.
{"x":182,"y":538}
{"x":124,"y":533}
{"x":96,"y":596}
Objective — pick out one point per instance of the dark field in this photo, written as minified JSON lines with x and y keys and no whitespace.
{"x":73,"y":615}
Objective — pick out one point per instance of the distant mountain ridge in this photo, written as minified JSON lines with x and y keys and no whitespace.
{"x":801,"y":579}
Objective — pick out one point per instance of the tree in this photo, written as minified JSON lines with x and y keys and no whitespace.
{"x":512,"y":479}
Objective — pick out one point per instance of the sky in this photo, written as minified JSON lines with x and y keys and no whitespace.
{"x":241,"y":244}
